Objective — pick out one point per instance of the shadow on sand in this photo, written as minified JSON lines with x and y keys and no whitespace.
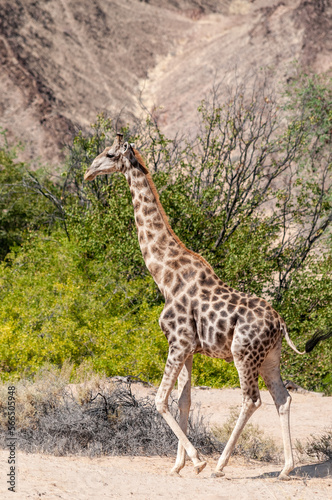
{"x":320,"y":470}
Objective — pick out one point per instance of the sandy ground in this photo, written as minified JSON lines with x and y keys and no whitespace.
{"x":49,"y":477}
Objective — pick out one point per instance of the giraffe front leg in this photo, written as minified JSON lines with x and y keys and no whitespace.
{"x":184,"y":392}
{"x":173,"y":367}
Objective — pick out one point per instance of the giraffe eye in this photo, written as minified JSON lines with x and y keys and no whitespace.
{"x":110,"y":155}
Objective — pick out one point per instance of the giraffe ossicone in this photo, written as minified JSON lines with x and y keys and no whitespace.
{"x":202,"y":315}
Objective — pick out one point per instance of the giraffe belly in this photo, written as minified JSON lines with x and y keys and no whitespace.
{"x":221,"y":353}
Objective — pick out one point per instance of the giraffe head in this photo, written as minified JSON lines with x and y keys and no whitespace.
{"x":117,"y":158}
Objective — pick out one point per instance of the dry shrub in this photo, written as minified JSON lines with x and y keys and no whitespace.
{"x":252,"y":443}
{"x":34,"y":398}
{"x":87,"y":383}
{"x":320,"y":447}
{"x":95,"y":417}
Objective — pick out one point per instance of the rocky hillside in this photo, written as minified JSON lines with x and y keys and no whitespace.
{"x":63,"y":61}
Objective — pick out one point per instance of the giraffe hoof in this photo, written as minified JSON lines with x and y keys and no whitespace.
{"x":175,"y":471}
{"x":284,"y":477}
{"x":199,"y":467}
{"x":218,"y":473}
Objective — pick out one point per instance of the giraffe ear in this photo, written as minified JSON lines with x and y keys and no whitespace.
{"x":118,"y":140}
{"x":125,"y":148}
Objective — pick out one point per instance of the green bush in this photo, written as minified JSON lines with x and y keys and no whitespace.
{"x":23,"y":209}
{"x":54,"y":307}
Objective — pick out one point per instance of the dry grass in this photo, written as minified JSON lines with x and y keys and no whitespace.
{"x":252,"y":442}
{"x":46,"y":390}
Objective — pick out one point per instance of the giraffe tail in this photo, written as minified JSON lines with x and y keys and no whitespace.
{"x":310,"y":344}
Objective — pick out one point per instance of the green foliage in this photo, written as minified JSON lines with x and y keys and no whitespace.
{"x":22,"y":209}
{"x":16,"y":212}
{"x":306,"y":309}
{"x":214,"y":372}
{"x":54,"y":306}
{"x":311,"y":97}
{"x":107,"y":230}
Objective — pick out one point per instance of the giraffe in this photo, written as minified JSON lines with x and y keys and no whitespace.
{"x":202,"y":315}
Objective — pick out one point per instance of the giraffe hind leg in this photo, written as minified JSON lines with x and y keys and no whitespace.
{"x":270,"y":372}
{"x":250,"y":402}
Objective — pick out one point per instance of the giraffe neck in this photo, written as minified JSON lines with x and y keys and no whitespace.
{"x":161,"y":249}
{"x":154,"y":233}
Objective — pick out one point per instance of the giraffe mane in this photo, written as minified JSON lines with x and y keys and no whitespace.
{"x":162,"y":211}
